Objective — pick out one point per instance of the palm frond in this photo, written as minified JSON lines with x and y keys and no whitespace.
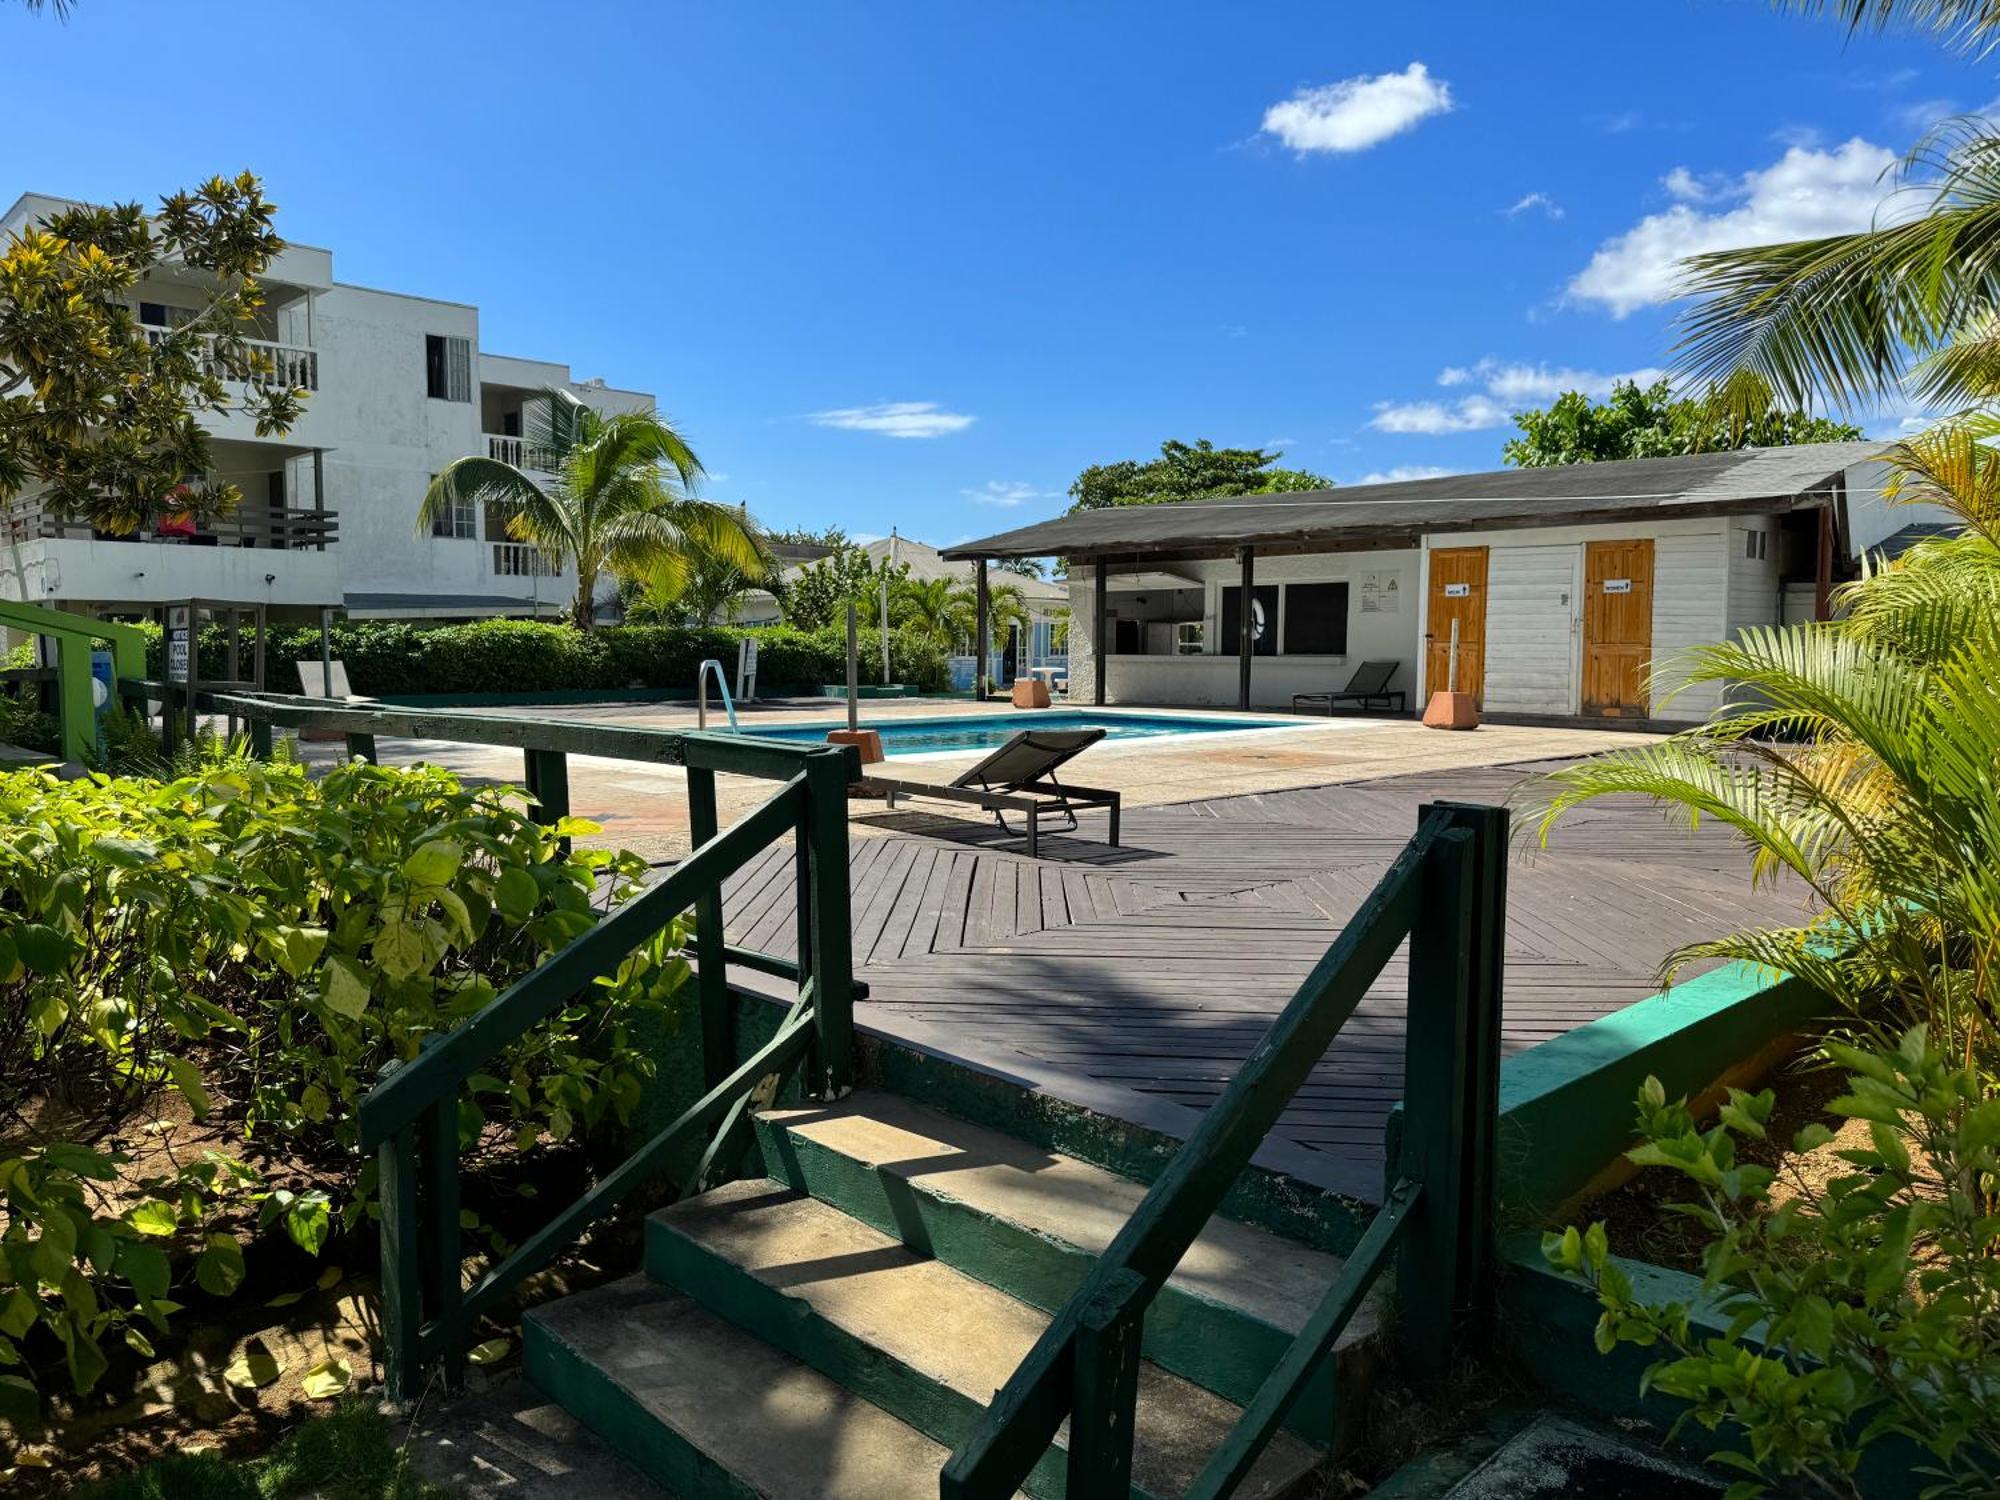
{"x":475,"y":481}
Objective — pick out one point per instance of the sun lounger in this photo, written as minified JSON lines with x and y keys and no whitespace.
{"x":1019,"y":777}
{"x":1368,"y":688}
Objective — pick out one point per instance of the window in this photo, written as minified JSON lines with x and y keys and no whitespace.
{"x":457,"y":521}
{"x":1756,"y":545}
{"x":1263,"y":620}
{"x":1188,"y":638}
{"x":1316,"y":619}
{"x":447,"y":368}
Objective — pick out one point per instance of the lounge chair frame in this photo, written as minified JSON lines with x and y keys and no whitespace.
{"x":1043,"y":794}
{"x":1395,"y":700}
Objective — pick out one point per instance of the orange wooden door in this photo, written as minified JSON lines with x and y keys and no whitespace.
{"x":1458,"y":592}
{"x":1617,"y":627}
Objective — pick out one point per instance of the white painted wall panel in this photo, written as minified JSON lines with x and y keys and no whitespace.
{"x":1531,"y":652}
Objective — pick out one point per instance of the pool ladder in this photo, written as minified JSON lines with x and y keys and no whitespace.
{"x":701,"y":694}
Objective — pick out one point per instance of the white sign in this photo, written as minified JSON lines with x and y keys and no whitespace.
{"x":1381,"y":593}
{"x":746,"y":669}
{"x":177,"y":655}
{"x":1617,"y":585}
{"x":1457,"y":590}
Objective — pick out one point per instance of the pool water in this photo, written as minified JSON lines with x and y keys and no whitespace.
{"x":991,"y":731}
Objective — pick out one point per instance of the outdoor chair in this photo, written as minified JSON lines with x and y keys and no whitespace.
{"x":1019,"y":777}
{"x":1368,"y":687}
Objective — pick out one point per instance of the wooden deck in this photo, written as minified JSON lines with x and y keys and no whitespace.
{"x":1153,"y":969}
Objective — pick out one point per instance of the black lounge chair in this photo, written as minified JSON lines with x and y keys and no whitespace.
{"x":1019,"y":777}
{"x":1368,"y":687}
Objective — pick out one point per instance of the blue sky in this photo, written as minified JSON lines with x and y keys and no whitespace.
{"x":917,"y":264}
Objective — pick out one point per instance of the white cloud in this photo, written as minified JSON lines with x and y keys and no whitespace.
{"x":1356,"y":113}
{"x":1804,"y":194}
{"x":1503,"y":388}
{"x":1431,"y":418}
{"x":1404,"y":472}
{"x":1006,"y":492}
{"x":1683,"y":185}
{"x":1530,"y":201}
{"x":896,"y":419}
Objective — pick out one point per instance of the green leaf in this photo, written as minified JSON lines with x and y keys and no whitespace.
{"x":326,"y":1380}
{"x":20,"y":1402}
{"x":18,"y":1312}
{"x":308,"y":1220}
{"x":344,"y":986}
{"x":490,"y":1352}
{"x":188,"y":1081}
{"x":155,"y":1216}
{"x":219,"y":1268}
{"x":516,"y":894}
{"x":42,"y":948}
{"x":299,"y":948}
{"x":399,"y":949}
{"x":253,"y":1369}
{"x":434,"y":863}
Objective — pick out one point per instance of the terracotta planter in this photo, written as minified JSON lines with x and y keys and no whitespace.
{"x":1030,"y":692}
{"x":1451,"y":711}
{"x":867,"y":741}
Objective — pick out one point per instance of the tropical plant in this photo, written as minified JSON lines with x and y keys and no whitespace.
{"x":101,"y":416}
{"x":1872,"y":1295}
{"x":945,"y":611}
{"x":1189,"y":471}
{"x":262,"y":944}
{"x":1637,"y":421}
{"x":710,"y":593}
{"x":816,"y":596}
{"x":621,"y":499}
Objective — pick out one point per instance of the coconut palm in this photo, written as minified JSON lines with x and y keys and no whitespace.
{"x":712,"y":591}
{"x":621,"y":499}
{"x":945,"y":611}
{"x":1856,"y":756}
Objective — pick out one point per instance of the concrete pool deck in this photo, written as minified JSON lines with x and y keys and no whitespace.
{"x":644,"y":808}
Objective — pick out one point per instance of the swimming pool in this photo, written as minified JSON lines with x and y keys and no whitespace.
{"x":990,"y":731}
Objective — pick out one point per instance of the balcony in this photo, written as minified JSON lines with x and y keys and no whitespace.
{"x":273,"y":528}
{"x":290,"y":367}
{"x":522,"y":560}
{"x":521,"y":453}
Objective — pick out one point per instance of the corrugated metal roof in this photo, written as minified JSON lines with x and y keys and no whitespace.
{"x":1397,"y":514}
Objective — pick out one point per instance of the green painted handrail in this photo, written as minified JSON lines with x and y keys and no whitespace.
{"x":73,"y":635}
{"x":1443,"y":893}
{"x":410,"y":1119}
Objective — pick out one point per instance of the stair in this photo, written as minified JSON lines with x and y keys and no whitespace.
{"x":836,"y":1328}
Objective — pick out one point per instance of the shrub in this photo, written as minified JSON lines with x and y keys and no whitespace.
{"x":391,"y":658}
{"x":1875,"y":1295}
{"x":265,"y":944}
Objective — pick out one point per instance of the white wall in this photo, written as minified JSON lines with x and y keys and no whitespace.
{"x":1690,"y":607}
{"x":1871,"y":520}
{"x":1211,"y":679}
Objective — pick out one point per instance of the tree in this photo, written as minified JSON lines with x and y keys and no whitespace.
{"x":1648,"y":422}
{"x":817,"y":595}
{"x":944,"y":611}
{"x":711,"y":592}
{"x":1025,"y":567}
{"x":103,"y":416}
{"x":1183,"y":471}
{"x":621,"y":499}
{"x":803,"y":536}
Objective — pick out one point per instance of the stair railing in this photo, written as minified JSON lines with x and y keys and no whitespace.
{"x":409,"y":1120}
{"x":1446,"y":893}
{"x":712,"y":668}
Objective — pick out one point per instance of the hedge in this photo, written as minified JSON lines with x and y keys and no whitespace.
{"x":389,"y":659}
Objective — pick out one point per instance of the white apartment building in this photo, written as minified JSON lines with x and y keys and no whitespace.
{"x":397,"y":387}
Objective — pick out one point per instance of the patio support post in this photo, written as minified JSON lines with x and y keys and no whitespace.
{"x":983,"y":607}
{"x":1245,"y":636}
{"x":1823,"y":567}
{"x":1100,"y":622}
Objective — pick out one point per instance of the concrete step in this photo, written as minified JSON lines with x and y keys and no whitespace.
{"x":706,"y":1409}
{"x":918,"y":1338}
{"x":1033,"y":1223}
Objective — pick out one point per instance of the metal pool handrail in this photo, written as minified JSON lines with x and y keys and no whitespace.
{"x":701,"y":694}
{"x":1446,"y":894}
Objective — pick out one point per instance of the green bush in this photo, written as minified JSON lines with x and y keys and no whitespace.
{"x":265,"y":943}
{"x":1874,"y":1295}
{"x":389,"y":658}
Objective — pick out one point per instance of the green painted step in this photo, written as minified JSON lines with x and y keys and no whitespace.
{"x":918,"y":1338}
{"x":1032,"y":1224}
{"x":711,"y":1412}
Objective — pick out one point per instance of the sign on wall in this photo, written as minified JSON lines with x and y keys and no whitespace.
{"x":177,"y":644}
{"x":1617,"y":585}
{"x":1457,"y":590}
{"x":1381,"y":594}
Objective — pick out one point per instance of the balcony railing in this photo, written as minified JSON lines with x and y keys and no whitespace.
{"x":522,"y":560}
{"x":521,"y":453}
{"x":250,"y":525}
{"x":290,"y":366}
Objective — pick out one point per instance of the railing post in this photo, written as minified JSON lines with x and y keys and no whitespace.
{"x":443,"y":1257}
{"x":1106,"y":1388}
{"x":1480,"y":1167}
{"x":402,"y":1284}
{"x":832,"y":935}
{"x":718,"y":1039}
{"x":1429,"y":1273}
{"x":548,"y":785}
{"x":362,"y":745}
{"x":260,"y":738}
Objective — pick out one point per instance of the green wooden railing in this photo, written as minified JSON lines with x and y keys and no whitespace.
{"x":1446,"y":893}
{"x":410,"y":1119}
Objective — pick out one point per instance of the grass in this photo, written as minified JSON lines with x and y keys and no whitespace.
{"x":350,"y":1454}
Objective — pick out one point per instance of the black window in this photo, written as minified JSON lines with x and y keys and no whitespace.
{"x":1263,"y":620}
{"x":1316,"y":619}
{"x":434,"y":376}
{"x":153,"y":314}
{"x":447,"y":368}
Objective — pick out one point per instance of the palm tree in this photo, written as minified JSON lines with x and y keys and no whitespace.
{"x":621,"y":499}
{"x":1857,"y":756}
{"x":712,"y":590}
{"x":941,"y":610}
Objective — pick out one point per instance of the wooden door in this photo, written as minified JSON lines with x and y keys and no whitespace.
{"x":1617,"y":627}
{"x":1458,"y":592}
